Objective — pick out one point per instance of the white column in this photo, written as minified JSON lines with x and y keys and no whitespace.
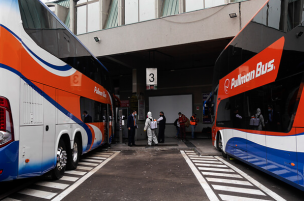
{"x":158,"y":8}
{"x":73,"y":19}
{"x":121,"y":12}
{"x":182,"y":6}
{"x":104,"y":7}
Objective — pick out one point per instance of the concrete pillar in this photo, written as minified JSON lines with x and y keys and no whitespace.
{"x":284,"y":15}
{"x":61,"y":12}
{"x":182,"y":6}
{"x":104,"y":7}
{"x":73,"y":22}
{"x":121,"y":12}
{"x":158,"y":8}
{"x":134,"y":81}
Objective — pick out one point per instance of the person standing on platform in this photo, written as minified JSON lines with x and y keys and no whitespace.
{"x":131,"y":128}
{"x":182,"y":120}
{"x":193,"y":124}
{"x":150,"y":130}
{"x":176,"y":124}
{"x":162,"y":126}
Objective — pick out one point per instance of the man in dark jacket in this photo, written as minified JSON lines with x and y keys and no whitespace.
{"x":86,"y":117}
{"x":131,"y":124}
{"x":182,"y":120}
{"x":162,"y":126}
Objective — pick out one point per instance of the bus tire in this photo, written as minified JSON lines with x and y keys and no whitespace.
{"x":219,"y":144}
{"x":61,"y":158}
{"x":73,"y":155}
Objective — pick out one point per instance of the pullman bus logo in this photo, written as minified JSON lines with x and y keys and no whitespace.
{"x":245,"y":77}
{"x":226,"y":85}
{"x":103,"y":94}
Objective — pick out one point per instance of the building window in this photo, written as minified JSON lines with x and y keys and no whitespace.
{"x":170,"y":7}
{"x":88,"y":18}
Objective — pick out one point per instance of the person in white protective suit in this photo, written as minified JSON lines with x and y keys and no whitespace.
{"x":150,"y":131}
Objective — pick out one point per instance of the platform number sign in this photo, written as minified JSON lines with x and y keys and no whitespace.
{"x":151,"y":78}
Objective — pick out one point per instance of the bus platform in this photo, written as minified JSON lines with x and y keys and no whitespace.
{"x":202,"y":146}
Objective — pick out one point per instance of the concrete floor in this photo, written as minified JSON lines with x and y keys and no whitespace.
{"x":150,"y":174}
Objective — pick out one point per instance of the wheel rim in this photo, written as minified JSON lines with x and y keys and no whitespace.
{"x":75,"y":152}
{"x":61,"y":158}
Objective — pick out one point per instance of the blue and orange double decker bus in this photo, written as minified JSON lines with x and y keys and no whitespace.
{"x":259,"y":79}
{"x":55,"y":102}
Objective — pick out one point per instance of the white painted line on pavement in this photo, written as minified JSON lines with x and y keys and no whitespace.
{"x":238,"y":190}
{"x":256,"y":183}
{"x":189,"y":151}
{"x":200,"y":156}
{"x":209,"y":165}
{"x":84,"y":168}
{"x":206,"y":159}
{"x":91,"y":160}
{"x":52,"y":185}
{"x":203,"y":161}
{"x":102,"y":155}
{"x":238,"y":198}
{"x":211,"y":195}
{"x":75,"y":172}
{"x":10,"y":199}
{"x":90,"y":164}
{"x":67,"y":178}
{"x":38,"y":193}
{"x":221,"y":174}
{"x":81,"y":180}
{"x":229,"y":181}
{"x":94,"y":157}
{"x":215,"y":169}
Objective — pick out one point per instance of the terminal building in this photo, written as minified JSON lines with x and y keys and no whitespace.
{"x":182,"y":39}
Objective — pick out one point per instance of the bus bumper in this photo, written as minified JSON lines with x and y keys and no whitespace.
{"x":9,"y":161}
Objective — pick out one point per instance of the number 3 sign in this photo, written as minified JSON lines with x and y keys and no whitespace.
{"x":151,"y":76}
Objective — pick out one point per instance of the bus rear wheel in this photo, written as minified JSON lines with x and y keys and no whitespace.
{"x":61,"y":156}
{"x":73,"y":155}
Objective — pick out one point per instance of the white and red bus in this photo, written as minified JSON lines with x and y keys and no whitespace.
{"x":47,"y":80}
{"x":259,"y":99}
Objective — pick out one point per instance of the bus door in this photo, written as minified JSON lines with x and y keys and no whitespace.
{"x":110,"y":124}
{"x":105,"y":124}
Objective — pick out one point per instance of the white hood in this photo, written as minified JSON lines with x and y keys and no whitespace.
{"x":150,"y":115}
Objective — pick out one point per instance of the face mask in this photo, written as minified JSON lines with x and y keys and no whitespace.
{"x":135,"y":114}
{"x":269,"y":110}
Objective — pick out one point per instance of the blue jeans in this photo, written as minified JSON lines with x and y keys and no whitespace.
{"x":178,"y":131}
{"x":192,"y":130}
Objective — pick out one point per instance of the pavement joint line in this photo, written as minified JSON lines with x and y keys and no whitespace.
{"x":253,"y":181}
{"x":81,"y":180}
{"x":208,"y":190}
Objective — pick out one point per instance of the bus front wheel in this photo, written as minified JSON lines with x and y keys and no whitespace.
{"x":61,"y":162}
{"x":219,"y":145}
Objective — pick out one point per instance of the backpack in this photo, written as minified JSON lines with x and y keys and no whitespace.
{"x":255,"y":121}
{"x":187,"y":123}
